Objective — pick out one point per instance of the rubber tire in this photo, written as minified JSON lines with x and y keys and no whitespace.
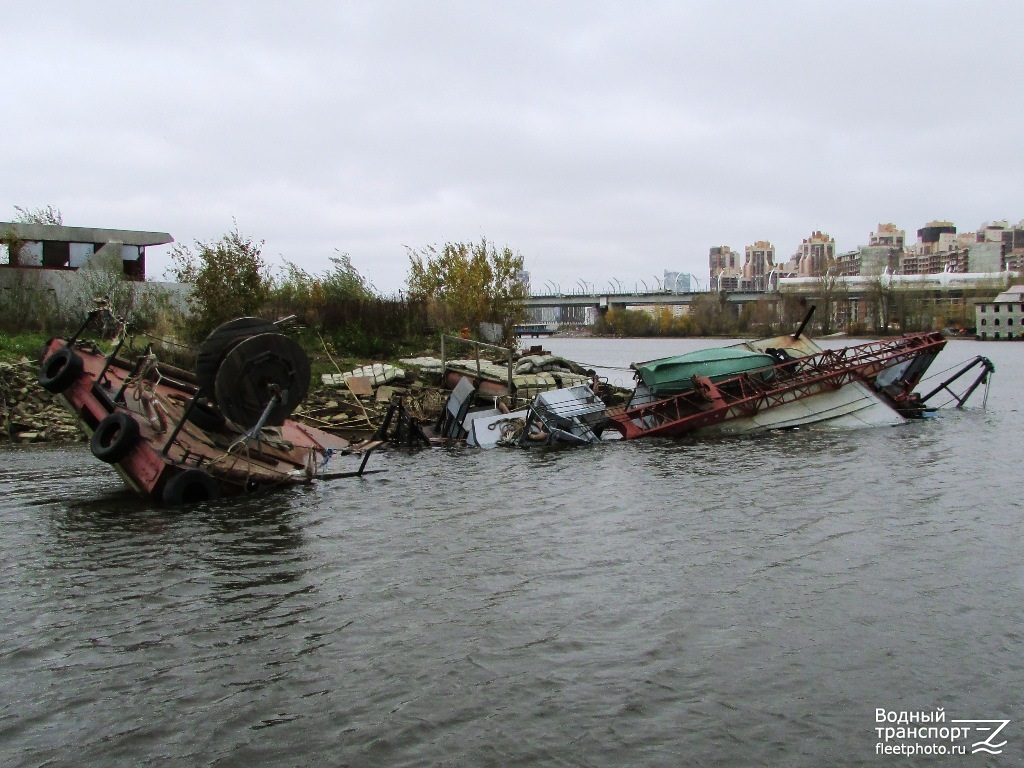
{"x":206,"y":416}
{"x":114,"y":437}
{"x":190,"y":487}
{"x":60,"y":370}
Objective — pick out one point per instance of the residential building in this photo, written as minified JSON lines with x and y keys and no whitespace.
{"x":725,"y":269}
{"x":760,"y":272}
{"x":937,"y":250}
{"x":982,"y":257}
{"x":887,"y":235}
{"x":848,"y":263}
{"x":814,"y":256}
{"x":1011,"y":239}
{"x":930,"y":236}
{"x":677,"y":282}
{"x":523,"y":276}
{"x":880,"y":256}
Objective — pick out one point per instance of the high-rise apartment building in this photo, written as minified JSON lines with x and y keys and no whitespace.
{"x":726,"y":270}
{"x":814,"y":255}
{"x":759,"y":269}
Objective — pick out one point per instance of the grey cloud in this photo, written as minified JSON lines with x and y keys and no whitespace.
{"x":599,"y":139}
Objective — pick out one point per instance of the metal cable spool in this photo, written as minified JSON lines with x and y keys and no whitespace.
{"x":244,"y":364}
{"x":220,"y":341}
{"x":254,"y":372}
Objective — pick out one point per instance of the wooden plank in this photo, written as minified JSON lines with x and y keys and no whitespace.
{"x":359,"y":385}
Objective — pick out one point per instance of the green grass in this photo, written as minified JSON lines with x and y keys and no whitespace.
{"x":14,"y":346}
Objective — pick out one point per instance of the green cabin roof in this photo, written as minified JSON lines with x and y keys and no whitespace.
{"x":673,"y":375}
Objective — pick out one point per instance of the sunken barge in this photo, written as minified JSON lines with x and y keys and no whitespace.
{"x":181,"y":437}
{"x":783,"y":382}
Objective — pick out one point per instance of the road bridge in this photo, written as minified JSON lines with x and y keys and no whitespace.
{"x":572,"y":307}
{"x":950,"y":288}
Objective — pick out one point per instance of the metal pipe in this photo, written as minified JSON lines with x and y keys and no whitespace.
{"x":88,"y":319}
{"x":986,"y":365}
{"x":181,"y":423}
{"x":119,"y":397}
{"x":111,"y":356}
{"x":803,"y":325}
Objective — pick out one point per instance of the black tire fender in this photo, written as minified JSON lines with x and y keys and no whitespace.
{"x":190,"y":487}
{"x":114,"y":437}
{"x":59,"y":370}
{"x":206,"y":416}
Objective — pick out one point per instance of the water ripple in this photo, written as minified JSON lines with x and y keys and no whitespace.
{"x":723,"y":602}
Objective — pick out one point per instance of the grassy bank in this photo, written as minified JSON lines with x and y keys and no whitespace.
{"x":14,"y":346}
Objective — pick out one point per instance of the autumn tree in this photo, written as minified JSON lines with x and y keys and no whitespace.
{"x":830,"y":295}
{"x":627,"y":322}
{"x":229,"y":277}
{"x":878,"y":301}
{"x":469,"y":284}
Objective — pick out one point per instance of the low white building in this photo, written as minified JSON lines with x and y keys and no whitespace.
{"x":1001,"y":318}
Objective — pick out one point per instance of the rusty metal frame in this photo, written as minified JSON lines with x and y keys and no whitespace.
{"x":749,"y":394}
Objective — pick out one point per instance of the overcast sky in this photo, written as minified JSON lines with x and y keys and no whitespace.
{"x":599,"y":139}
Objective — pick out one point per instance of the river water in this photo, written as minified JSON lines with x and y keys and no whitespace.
{"x":728,"y":602}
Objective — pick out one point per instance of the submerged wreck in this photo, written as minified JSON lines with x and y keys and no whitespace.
{"x":232,"y":427}
{"x":178,"y":436}
{"x":798,"y":384}
{"x":783,"y":382}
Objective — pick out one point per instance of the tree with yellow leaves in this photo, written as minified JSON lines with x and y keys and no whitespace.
{"x":468,"y":284}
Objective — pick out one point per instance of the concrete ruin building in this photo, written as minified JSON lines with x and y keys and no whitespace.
{"x":56,"y":247}
{"x":50,"y":257}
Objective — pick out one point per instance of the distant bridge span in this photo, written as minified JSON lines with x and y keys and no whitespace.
{"x":653,"y":298}
{"x":572,"y":308}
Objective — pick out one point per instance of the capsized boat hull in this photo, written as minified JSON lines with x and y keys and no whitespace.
{"x":850,"y":407}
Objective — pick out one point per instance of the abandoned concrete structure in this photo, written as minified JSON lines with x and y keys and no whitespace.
{"x":56,"y":247}
{"x":56,"y":269}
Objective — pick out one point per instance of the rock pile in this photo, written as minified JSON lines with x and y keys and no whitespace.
{"x":30,"y":414}
{"x":336,"y":409}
